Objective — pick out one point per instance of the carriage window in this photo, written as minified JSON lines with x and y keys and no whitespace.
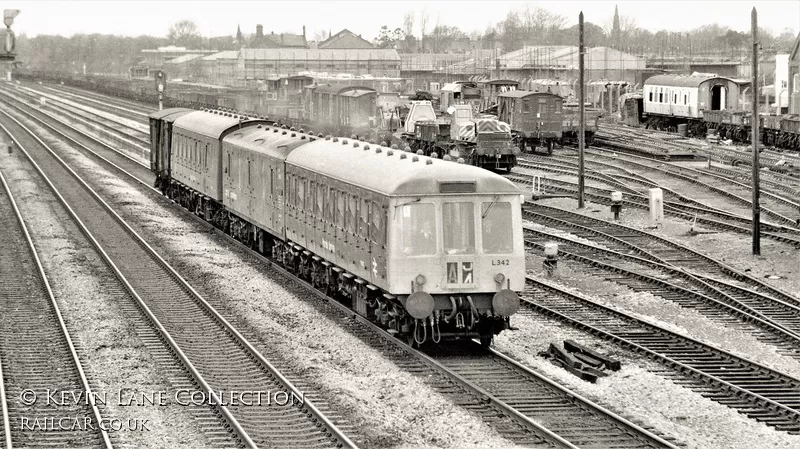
{"x":271,"y":181}
{"x":340,"y":209}
{"x":205,"y":158}
{"x":660,"y":97}
{"x":248,"y":174}
{"x":377,"y":224}
{"x":230,"y":169}
{"x":458,"y":228}
{"x":320,"y":200}
{"x":526,"y":107}
{"x":651,"y":96}
{"x":301,"y":192}
{"x":496,"y":230}
{"x":419,"y":229}
{"x":352,"y":214}
{"x":363,"y":225}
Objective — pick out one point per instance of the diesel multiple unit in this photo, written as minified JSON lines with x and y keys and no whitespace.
{"x":430,"y":249}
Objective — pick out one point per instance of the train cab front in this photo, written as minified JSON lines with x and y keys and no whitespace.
{"x":462,"y":263}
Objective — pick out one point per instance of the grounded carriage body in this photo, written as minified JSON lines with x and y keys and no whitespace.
{"x":342,"y":108}
{"x":536,"y":118}
{"x":688,"y":96}
{"x":412,"y":241}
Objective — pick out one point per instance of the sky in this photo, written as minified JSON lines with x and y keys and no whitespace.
{"x":216,"y":18}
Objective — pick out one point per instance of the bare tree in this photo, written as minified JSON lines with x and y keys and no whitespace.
{"x":184,"y":33}
{"x":423,"y":25}
{"x":321,"y":35}
{"x":628,"y":29}
{"x":408,"y":23}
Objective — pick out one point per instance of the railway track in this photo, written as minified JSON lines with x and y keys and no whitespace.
{"x":649,"y":246}
{"x":516,"y":416}
{"x":128,"y":109}
{"x":782,"y":209}
{"x":137,"y":129}
{"x":719,"y":220}
{"x":774,"y":322}
{"x":99,"y":122}
{"x":75,"y":135}
{"x":216,"y":354}
{"x":754,"y":390}
{"x":36,"y":351}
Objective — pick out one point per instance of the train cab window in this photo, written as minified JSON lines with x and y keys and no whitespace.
{"x":458,"y":228}
{"x":496,"y":230}
{"x":419,"y":229}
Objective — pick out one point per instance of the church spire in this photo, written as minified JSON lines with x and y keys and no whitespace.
{"x":615,"y":31}
{"x":239,"y":37}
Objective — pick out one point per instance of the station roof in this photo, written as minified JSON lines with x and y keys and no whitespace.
{"x":391,"y":175}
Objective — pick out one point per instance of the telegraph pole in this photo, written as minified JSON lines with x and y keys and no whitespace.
{"x":582,"y":130}
{"x":754,"y":125}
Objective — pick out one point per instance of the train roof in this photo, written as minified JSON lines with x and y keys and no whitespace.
{"x":360,"y":92}
{"x":392,"y":172}
{"x":211,"y":124}
{"x":458,"y":86}
{"x":500,"y":81}
{"x":524,"y":93}
{"x":170,"y":114}
{"x":681,"y":80}
{"x":270,"y":140}
{"x":339,"y":89}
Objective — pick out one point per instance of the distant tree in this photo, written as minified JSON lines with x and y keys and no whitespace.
{"x":423,"y":26}
{"x":184,"y":34}
{"x":388,"y":38}
{"x":442,"y":37}
{"x":408,"y":23}
{"x":321,"y":35}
